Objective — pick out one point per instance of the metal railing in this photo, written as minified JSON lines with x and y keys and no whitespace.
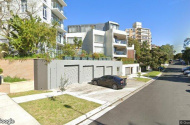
{"x":120,"y":41}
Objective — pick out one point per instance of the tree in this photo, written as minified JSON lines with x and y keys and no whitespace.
{"x":178,"y":56}
{"x":186,"y":55}
{"x":137,"y":46}
{"x":77,"y":43}
{"x":168,"y":49}
{"x":68,"y":49}
{"x":29,"y":34}
{"x":145,"y":55}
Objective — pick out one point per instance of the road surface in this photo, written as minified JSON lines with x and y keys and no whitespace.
{"x":163,"y":102}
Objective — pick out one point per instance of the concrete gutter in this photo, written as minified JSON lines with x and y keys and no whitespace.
{"x":87,"y":118}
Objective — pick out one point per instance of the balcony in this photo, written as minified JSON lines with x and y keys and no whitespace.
{"x":60,"y":26}
{"x":120,"y":43}
{"x":120,"y":52}
{"x":58,"y":10}
{"x":62,"y":2}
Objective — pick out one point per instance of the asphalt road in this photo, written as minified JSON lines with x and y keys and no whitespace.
{"x":163,"y":102}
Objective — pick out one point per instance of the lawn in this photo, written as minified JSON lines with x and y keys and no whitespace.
{"x":59,"y":110}
{"x":142,"y":79}
{"x":152,"y":74}
{"x":14,"y":79}
{"x":27,"y":93}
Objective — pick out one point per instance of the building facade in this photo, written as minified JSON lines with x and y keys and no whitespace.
{"x":140,"y":33}
{"x":103,"y":38}
{"x":186,"y":43}
{"x":48,"y":10}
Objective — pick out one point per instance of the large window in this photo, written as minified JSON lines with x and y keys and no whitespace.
{"x":99,"y":49}
{"x":45,"y":12}
{"x":86,"y":28}
{"x":99,"y":39}
{"x":23,"y":5}
{"x":73,"y":29}
{"x":70,"y":40}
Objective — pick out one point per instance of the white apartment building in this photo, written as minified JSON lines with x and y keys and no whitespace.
{"x":103,"y":38}
{"x":140,"y":33}
{"x":48,"y":10}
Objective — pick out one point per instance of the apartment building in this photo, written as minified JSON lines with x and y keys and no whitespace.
{"x":103,"y":38}
{"x":186,"y":43}
{"x":140,"y":33}
{"x":48,"y":10}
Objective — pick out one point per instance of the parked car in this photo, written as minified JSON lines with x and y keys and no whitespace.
{"x":188,"y":75}
{"x":160,"y":68}
{"x":115,"y":82}
{"x":186,"y":68}
{"x":186,"y":72}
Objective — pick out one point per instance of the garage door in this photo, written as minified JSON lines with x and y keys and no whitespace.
{"x":127,"y":71}
{"x":108,"y":70}
{"x":99,"y":71}
{"x":87,"y":73}
{"x":72,"y":74}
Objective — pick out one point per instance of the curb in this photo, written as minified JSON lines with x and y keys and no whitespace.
{"x":106,"y":105}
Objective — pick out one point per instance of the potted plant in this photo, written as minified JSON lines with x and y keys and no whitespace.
{"x":76,"y":58}
{"x":96,"y":56}
{"x":67,"y":58}
{"x":90,"y":57}
{"x":83,"y":55}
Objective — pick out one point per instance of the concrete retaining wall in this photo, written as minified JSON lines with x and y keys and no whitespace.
{"x":21,"y":69}
{"x":75,"y":71}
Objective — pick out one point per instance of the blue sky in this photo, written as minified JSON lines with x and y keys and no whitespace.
{"x":169,"y":20}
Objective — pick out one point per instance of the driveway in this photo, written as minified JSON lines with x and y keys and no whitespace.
{"x":103,"y":93}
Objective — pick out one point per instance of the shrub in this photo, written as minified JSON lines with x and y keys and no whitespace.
{"x":84,"y":54}
{"x":15,"y":79}
{"x":95,"y":55}
{"x":127,"y":60}
{"x":1,"y":70}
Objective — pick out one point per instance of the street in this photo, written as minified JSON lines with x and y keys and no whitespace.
{"x":163,"y":102}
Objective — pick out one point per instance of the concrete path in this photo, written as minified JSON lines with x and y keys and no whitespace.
{"x":103,"y":93}
{"x":12,"y":113}
{"x":33,"y":97}
{"x":163,"y":102}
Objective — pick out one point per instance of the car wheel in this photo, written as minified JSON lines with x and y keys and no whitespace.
{"x":114,"y":86}
{"x":95,"y":83}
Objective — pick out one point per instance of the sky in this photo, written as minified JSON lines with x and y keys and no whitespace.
{"x":168,"y":20}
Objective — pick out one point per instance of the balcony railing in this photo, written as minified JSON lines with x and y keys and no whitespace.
{"x":57,"y":6}
{"x":120,"y":53}
{"x":120,"y":41}
{"x":57,"y":21}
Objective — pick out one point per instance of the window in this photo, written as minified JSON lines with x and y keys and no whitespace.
{"x":23,"y":5}
{"x":70,"y":40}
{"x":45,"y":12}
{"x":99,"y":50}
{"x":59,"y":35}
{"x":99,"y":38}
{"x":85,"y":28}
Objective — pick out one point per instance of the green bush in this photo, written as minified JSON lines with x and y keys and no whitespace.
{"x":1,"y":70}
{"x":127,"y":60}
{"x":15,"y":79}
